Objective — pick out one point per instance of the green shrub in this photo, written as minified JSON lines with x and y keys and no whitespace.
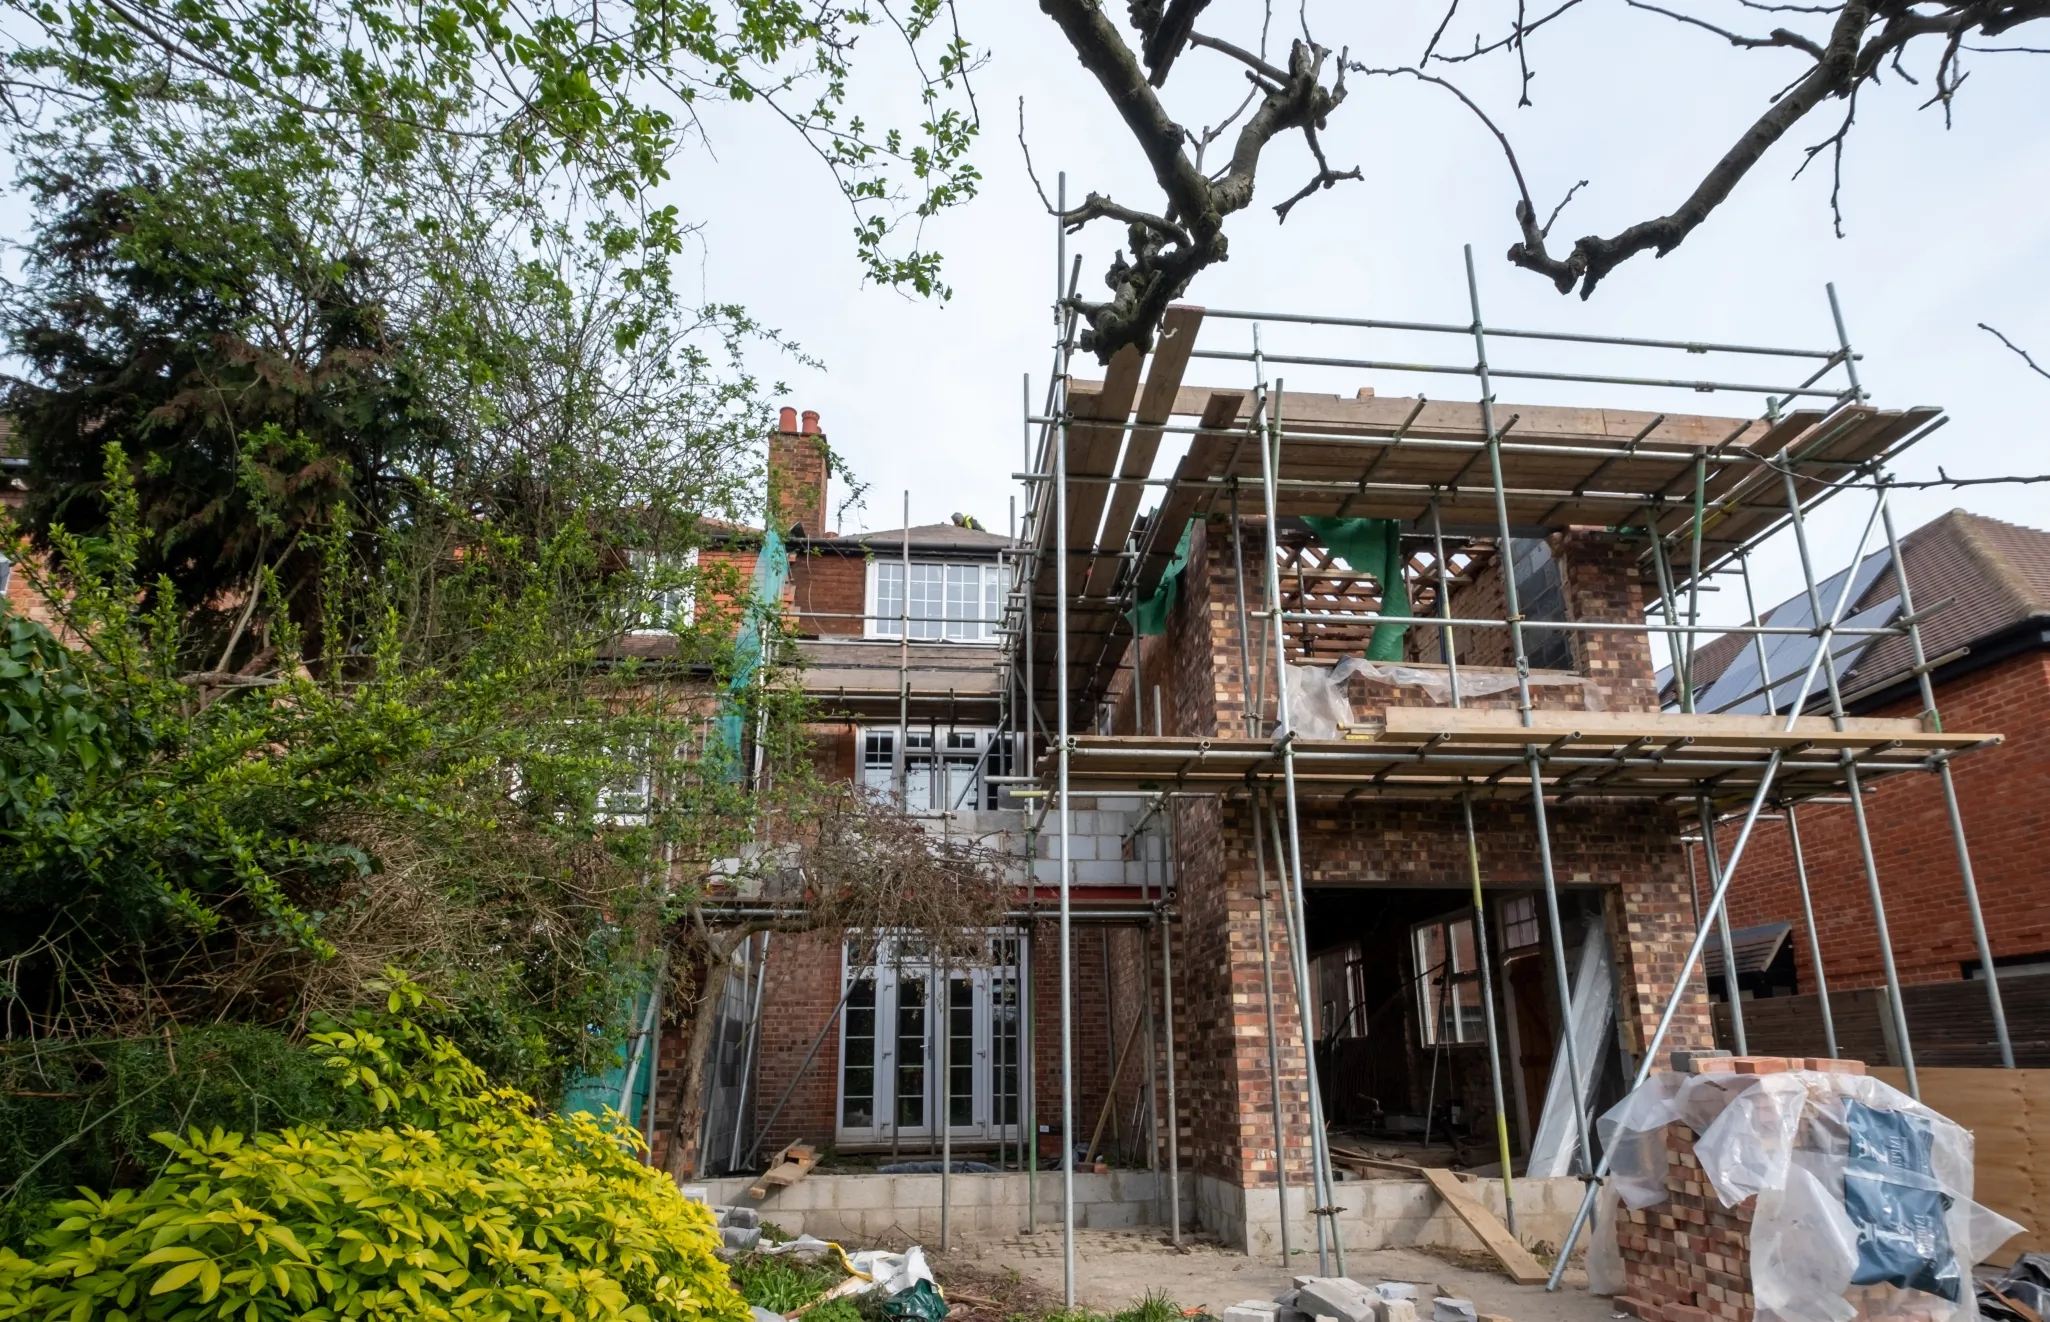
{"x":468,"y":1204}
{"x":781,"y":1285}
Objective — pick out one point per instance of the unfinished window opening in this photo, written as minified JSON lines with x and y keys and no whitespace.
{"x":1447,"y":981}
{"x":1541,"y":595}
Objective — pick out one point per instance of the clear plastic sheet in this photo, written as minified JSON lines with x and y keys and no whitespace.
{"x":1864,"y":1195}
{"x":1320,"y":710}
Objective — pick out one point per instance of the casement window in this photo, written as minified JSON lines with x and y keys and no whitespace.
{"x":957,"y":603}
{"x":890,"y":1047}
{"x":666,"y":590}
{"x":1448,"y":986}
{"x":946,"y":768}
{"x":1340,"y":1007}
{"x":1519,"y":922}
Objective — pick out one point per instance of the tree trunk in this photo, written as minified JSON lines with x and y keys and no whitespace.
{"x":687,"y":1099}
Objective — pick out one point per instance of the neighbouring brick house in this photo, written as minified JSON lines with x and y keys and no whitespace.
{"x":1991,"y":650}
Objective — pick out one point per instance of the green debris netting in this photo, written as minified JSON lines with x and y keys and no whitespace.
{"x":1149,"y":617}
{"x":1372,"y":546}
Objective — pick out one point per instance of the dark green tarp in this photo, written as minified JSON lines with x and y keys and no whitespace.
{"x":1372,"y":546}
{"x":1149,"y":617}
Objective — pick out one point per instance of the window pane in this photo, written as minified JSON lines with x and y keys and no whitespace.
{"x":888,"y":607}
{"x":964,"y":601}
{"x":928,"y":600}
{"x":858,"y":1075}
{"x":960,"y":1051}
{"x":1430,"y":982}
{"x":1004,"y":1032}
{"x":878,"y":760}
{"x":910,"y":1052}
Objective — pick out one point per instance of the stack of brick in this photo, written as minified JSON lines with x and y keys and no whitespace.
{"x":1688,"y":1259}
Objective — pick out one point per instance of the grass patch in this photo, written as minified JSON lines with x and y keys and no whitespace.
{"x":780,"y":1285}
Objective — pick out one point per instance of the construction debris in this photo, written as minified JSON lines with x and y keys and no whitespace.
{"x":789,"y":1166}
{"x":1342,"y":1299}
{"x":1522,"y":1268}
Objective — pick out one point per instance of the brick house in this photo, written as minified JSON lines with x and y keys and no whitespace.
{"x":1984,"y":586}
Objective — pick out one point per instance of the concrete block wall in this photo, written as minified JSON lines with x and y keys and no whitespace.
{"x":1381,"y":1214}
{"x":894,"y":1209}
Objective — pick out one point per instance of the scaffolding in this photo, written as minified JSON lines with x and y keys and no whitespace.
{"x":1698,"y":494}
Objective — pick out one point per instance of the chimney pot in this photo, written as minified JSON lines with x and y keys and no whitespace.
{"x":811,"y":422}
{"x":786,"y":421}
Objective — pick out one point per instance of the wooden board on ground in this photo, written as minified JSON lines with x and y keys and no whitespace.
{"x":2008,"y":1112}
{"x":1515,"y":1259}
{"x":788,"y":1167}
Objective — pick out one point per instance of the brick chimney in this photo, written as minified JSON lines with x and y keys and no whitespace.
{"x":797,"y":473}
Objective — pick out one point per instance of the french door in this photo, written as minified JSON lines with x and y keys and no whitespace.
{"x":899,"y":1002}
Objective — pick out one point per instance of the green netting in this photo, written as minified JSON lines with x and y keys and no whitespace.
{"x":1149,"y":617}
{"x":1372,"y":546}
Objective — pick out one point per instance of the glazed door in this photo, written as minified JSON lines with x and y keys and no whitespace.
{"x":891,"y":1053}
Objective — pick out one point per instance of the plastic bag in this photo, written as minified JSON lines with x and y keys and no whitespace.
{"x":920,"y":1302}
{"x":1894,"y":1201}
{"x":1604,"y":1258}
{"x":1803,"y":1251}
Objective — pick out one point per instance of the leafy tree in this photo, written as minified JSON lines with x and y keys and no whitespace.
{"x":593,"y":98}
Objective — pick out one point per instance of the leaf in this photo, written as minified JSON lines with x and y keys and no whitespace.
{"x":181,"y":1275}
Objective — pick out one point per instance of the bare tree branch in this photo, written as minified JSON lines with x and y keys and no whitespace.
{"x":1778,"y":36}
{"x":2034,"y":366}
{"x":1187,"y":236}
{"x":1513,"y":39}
{"x":1852,"y":56}
{"x":1030,"y":173}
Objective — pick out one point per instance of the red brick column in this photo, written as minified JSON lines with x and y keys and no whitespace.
{"x":1687,"y":1259}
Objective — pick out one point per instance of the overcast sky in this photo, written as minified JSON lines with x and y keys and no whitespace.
{"x":1943,"y":230}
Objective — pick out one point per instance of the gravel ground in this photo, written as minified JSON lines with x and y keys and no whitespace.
{"x":1113,"y":1269}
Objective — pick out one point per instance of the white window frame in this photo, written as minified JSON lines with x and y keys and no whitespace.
{"x":666,"y":610}
{"x":951,"y":627}
{"x":961,"y":750}
{"x":1432,"y":1015}
{"x":993,"y":986}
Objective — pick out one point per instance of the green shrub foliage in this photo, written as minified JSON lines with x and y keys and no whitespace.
{"x":462,"y":1200}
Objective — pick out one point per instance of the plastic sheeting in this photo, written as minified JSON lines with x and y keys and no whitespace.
{"x":1318,"y":705}
{"x":1864,"y":1195}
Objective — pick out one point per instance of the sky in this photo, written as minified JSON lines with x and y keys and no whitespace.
{"x":1943,"y":230}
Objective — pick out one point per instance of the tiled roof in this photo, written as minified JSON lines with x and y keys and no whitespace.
{"x":1998,"y":573}
{"x":928,"y":536}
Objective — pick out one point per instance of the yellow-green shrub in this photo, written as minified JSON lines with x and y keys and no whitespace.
{"x":468,"y":1204}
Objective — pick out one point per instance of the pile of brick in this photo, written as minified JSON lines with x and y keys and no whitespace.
{"x":1342,"y":1299}
{"x":1722,"y":1062}
{"x":1688,"y":1259}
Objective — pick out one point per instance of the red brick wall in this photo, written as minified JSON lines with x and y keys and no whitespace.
{"x":830,"y":591}
{"x":797,"y":479}
{"x":1602,"y":583}
{"x":1688,"y":1253}
{"x":1228,"y":1092}
{"x":2004,"y":797}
